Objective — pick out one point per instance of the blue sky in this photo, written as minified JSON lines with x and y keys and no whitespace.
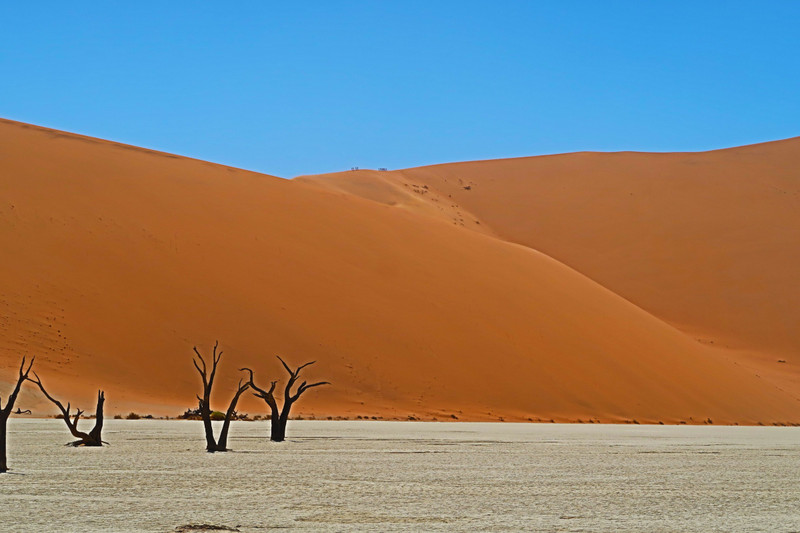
{"x":292,"y":88}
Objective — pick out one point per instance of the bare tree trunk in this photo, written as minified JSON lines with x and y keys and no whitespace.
{"x":269,"y":398}
{"x":212,"y":444}
{"x":278,"y":420}
{"x":3,"y":460}
{"x":94,"y":437}
{"x":205,"y":414}
{"x":222,"y":441}
{"x":97,"y":430}
{"x":277,"y":428}
{"x":5,"y":412}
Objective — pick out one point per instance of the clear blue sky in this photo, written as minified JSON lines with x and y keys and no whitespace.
{"x":294,"y":87}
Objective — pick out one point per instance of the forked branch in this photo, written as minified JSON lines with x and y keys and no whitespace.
{"x":279,"y":418}
{"x":23,"y":375}
{"x":266,"y":395}
{"x":5,"y":412}
{"x":204,"y":401}
{"x":93,"y":438}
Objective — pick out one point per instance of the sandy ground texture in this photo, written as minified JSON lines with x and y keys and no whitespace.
{"x":411,"y":476}
{"x":117,"y":260}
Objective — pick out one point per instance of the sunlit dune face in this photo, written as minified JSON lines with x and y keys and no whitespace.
{"x":119,"y":260}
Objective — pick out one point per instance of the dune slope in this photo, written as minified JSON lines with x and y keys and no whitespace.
{"x":709,"y":242}
{"x":118,"y":260}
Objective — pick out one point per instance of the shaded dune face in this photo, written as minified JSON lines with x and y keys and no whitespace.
{"x":118,"y":260}
{"x":708,"y":242}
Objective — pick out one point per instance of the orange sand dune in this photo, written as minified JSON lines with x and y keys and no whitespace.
{"x":117,"y":260}
{"x":709,"y":242}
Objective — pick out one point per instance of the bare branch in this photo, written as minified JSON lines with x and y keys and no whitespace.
{"x":23,"y":375}
{"x":289,"y":370}
{"x":215,"y":358}
{"x":38,"y":381}
{"x":316,"y":385}
{"x":301,"y":367}
{"x":261,"y":393}
{"x":266,"y":395}
{"x":303,"y":387}
{"x":202,"y":372}
{"x":72,"y":420}
{"x":201,"y":360}
{"x":222,"y":442}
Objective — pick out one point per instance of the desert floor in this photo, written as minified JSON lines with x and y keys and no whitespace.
{"x":409,"y":476}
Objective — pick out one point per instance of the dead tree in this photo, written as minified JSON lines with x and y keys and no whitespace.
{"x":5,"y":412}
{"x":268,"y":397}
{"x":94,"y":437}
{"x":212,"y":444}
{"x":278,"y":419}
